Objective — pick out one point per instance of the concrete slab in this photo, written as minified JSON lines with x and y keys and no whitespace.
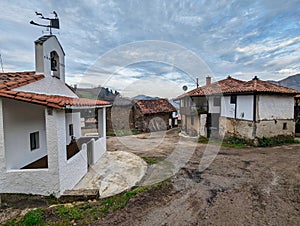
{"x":114,"y":173}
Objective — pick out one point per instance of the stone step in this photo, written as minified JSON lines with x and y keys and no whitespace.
{"x":79,"y":195}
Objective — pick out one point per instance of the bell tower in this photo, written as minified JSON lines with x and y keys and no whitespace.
{"x":49,"y":57}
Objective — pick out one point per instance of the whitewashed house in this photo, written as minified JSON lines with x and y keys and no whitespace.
{"x":41,"y":151}
{"x":246,"y":109}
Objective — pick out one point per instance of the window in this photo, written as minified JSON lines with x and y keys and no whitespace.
{"x":192,"y":120}
{"x":284,"y":126}
{"x":217,"y":101}
{"x":71,"y":130}
{"x":233,"y":99}
{"x":34,"y":141}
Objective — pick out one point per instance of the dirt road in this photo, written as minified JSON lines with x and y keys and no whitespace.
{"x":251,"y":186}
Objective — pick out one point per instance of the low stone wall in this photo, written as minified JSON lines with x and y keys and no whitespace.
{"x":275,"y":128}
{"x":250,"y":130}
{"x":234,"y":127}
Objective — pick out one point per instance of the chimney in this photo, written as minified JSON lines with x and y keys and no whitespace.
{"x":208,"y":80}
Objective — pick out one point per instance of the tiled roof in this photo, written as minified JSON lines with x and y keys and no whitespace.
{"x":259,"y":86}
{"x":58,"y":102}
{"x":14,"y":80}
{"x":155,"y":106}
{"x":9,"y":81}
{"x":214,"y":88}
{"x":231,"y":85}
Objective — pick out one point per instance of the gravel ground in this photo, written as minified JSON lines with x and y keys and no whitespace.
{"x":250,"y":186}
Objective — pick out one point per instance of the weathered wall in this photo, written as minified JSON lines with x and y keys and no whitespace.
{"x":21,"y":119}
{"x":273,"y":128}
{"x":152,"y":122}
{"x":244,"y":107}
{"x":211,"y":107}
{"x":275,"y":107}
{"x":235,"y":127}
{"x":120,"y":118}
{"x":227,"y":109}
{"x":186,"y":122}
{"x":250,"y":130}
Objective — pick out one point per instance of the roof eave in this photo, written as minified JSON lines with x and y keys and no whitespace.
{"x":72,"y":107}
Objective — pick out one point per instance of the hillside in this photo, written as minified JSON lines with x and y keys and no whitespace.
{"x":291,"y":82}
{"x":97,"y":93}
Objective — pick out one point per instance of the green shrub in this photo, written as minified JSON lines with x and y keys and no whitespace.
{"x":274,"y":141}
{"x":33,"y":217}
{"x":202,"y":140}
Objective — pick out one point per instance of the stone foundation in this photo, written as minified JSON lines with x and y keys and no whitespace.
{"x":250,"y":130}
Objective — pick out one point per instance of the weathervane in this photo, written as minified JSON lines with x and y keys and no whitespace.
{"x":54,"y":22}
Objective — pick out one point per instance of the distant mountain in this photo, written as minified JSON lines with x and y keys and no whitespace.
{"x":291,"y":82}
{"x":144,"y":97}
{"x":97,"y":93}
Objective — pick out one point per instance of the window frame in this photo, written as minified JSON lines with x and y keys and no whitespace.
{"x":233,"y":99}
{"x":34,"y":139}
{"x":71,"y":130}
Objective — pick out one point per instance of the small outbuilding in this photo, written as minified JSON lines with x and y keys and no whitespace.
{"x":41,"y":148}
{"x":154,"y":115}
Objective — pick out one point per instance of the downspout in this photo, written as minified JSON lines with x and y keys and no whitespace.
{"x":254,"y":115}
{"x":235,"y":107}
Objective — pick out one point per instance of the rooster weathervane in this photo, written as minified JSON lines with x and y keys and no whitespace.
{"x":54,"y":22}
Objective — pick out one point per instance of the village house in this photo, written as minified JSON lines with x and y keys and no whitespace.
{"x":41,"y":148}
{"x":142,"y":115}
{"x":231,"y":107}
{"x":154,"y":115}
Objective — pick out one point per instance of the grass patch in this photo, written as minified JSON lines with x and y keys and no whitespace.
{"x":33,"y":217}
{"x":152,"y":160}
{"x":82,"y":213}
{"x":275,"y":141}
{"x":203,"y":140}
{"x":236,"y":142}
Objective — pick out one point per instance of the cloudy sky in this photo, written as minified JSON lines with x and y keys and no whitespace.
{"x":155,"y":47}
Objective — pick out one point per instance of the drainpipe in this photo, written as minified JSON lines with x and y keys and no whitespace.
{"x":254,"y":115}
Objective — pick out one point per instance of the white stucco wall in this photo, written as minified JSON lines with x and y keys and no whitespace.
{"x":244,"y":107}
{"x":73,"y":118}
{"x":60,"y":174}
{"x":275,"y":107}
{"x":33,"y":181}
{"x":227,"y":109}
{"x":21,"y":119}
{"x":211,"y":107}
{"x":78,"y":163}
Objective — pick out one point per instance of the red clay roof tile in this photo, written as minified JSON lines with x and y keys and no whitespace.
{"x":8,"y":81}
{"x":232,"y":85}
{"x":155,"y":106}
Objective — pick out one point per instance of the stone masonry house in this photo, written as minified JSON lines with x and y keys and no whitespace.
{"x":153,"y":115}
{"x":41,"y":149}
{"x":231,"y":107}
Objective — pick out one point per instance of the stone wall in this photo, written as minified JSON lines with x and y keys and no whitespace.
{"x":119,"y":118}
{"x":235,"y":127}
{"x":153,"y":122}
{"x":250,"y":130}
{"x":273,"y":128}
